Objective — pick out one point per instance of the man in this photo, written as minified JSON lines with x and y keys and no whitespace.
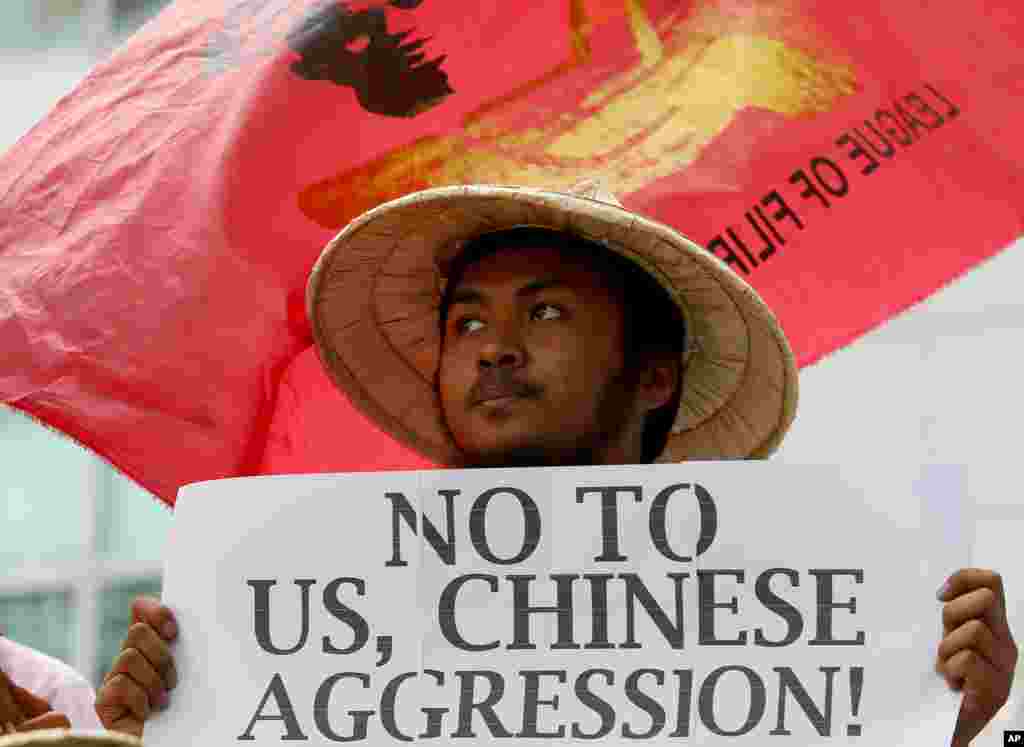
{"x":499,"y":326}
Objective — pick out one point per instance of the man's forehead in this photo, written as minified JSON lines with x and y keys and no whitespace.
{"x":525,"y":266}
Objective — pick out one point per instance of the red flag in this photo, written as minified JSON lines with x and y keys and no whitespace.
{"x":156,"y":229}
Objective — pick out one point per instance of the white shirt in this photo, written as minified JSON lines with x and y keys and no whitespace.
{"x":58,"y":684}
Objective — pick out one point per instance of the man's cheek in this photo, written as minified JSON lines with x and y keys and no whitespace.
{"x":448,"y":391}
{"x":560,"y":359}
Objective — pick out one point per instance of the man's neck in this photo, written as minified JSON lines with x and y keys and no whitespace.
{"x":621,"y":451}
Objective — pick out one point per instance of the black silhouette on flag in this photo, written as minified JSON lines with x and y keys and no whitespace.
{"x":390,"y":73}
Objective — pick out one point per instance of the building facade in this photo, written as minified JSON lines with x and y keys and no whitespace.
{"x":80,"y":540}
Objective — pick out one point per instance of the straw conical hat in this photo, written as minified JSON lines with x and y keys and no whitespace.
{"x":373,"y":302}
{"x":69,"y":738}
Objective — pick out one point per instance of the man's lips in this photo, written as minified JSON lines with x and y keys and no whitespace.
{"x":492,"y":387}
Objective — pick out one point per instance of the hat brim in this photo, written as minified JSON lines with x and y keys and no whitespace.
{"x":69,"y":738}
{"x":373,"y":302}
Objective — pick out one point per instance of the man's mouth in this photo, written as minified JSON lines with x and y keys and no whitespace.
{"x":499,"y":388}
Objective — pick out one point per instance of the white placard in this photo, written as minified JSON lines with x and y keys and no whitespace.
{"x":697,"y":603}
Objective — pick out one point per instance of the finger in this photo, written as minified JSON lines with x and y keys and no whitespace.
{"x":149,"y":610}
{"x":968,"y":671}
{"x":968,"y":724}
{"x":30,"y":704}
{"x":51,"y":720}
{"x":9,"y":711}
{"x":974,"y":605}
{"x":122,"y":697}
{"x":126,"y":724}
{"x":143,"y":638}
{"x":972,"y":635}
{"x":969,"y":579}
{"x":985,"y":691}
{"x":133,"y":663}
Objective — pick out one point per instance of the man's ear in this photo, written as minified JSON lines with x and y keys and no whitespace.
{"x":658,"y":381}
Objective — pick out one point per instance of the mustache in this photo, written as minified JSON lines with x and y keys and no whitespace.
{"x":501,"y":382}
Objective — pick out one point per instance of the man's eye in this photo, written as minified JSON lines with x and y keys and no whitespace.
{"x":545,"y":312}
{"x":468,"y":324}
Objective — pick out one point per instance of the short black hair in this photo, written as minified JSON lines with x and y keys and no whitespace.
{"x":653,"y":324}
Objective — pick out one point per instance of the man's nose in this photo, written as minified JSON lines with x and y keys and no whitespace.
{"x":503,"y":351}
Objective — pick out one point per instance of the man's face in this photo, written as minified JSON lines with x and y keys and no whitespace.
{"x":532,"y":365}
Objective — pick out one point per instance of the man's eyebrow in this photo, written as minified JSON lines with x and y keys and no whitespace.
{"x":467,"y":295}
{"x":540,"y":284}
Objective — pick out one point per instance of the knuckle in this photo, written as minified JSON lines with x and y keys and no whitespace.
{"x":948,"y":614}
{"x":141,"y":669}
{"x":104,"y":696}
{"x":140,"y":704}
{"x":959,"y":660}
{"x":127,"y":687}
{"x":137,"y":633}
{"x":125,"y":725}
{"x":115,"y":690}
{"x":136,"y":699}
{"x":977,"y":630}
{"x":130,"y":658}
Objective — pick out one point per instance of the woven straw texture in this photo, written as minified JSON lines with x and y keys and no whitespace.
{"x":68,"y":738}
{"x":374,"y":294}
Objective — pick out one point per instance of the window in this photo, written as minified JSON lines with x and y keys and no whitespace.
{"x":130,"y":15}
{"x":44,"y":507}
{"x":132,"y":525}
{"x":43,"y":620}
{"x":41,"y":24}
{"x":80,"y":542}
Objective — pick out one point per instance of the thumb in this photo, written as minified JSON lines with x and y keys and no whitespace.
{"x":970,"y":719}
{"x":51,"y":720}
{"x":10,"y":713}
{"x":120,"y":719}
{"x":31,"y":705}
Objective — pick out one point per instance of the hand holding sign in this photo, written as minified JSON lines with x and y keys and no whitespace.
{"x":978,"y":653}
{"x":21,"y":710}
{"x":142,"y":673}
